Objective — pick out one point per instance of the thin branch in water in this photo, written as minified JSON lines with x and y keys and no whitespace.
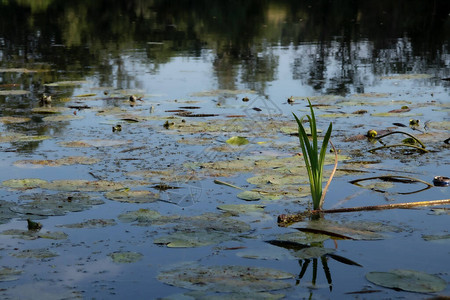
{"x":286,"y":220}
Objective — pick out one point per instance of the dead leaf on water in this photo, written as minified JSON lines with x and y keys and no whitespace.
{"x":70,"y":160}
{"x":13,"y":92}
{"x":62,"y":118}
{"x":93,"y":223}
{"x":67,"y":83}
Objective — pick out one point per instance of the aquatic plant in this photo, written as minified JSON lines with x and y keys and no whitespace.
{"x":314,"y":158}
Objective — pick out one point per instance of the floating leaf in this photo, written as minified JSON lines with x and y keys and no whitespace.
{"x":407,"y":76}
{"x":272,"y":253}
{"x":397,"y":115}
{"x":436,"y":237}
{"x":86,"y":95}
{"x":304,"y":238}
{"x":11,"y":120}
{"x":82,"y":185}
{"x":192,"y":239}
{"x":237,"y":141}
{"x":249,"y":196}
{"x":9,"y":274}
{"x":54,"y":204}
{"x":49,"y":110}
{"x":443,"y":125}
{"x":125,"y":257}
{"x":133,"y":196}
{"x":241,"y":208}
{"x":27,"y":183}
{"x":34,"y":253}
{"x":213,"y":93}
{"x":20,"y":70}
{"x":62,"y":118}
{"x":352,"y":230}
{"x":31,"y":235}
{"x":240,"y":279}
{"x":13,"y":92}
{"x":66,"y":83}
{"x":408,"y":280}
{"x":142,"y":215}
{"x":311,"y":252}
{"x":95,"y":143}
{"x":93,"y":223}
{"x":19,"y":137}
{"x":70,"y":160}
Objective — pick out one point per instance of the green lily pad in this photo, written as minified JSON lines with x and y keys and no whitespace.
{"x":49,"y":110}
{"x":249,"y":196}
{"x":202,"y":295}
{"x":237,"y":141}
{"x":189,"y":239}
{"x":397,"y":115}
{"x":9,"y":274}
{"x":272,"y":253}
{"x":436,"y":237}
{"x":70,"y":160}
{"x":40,"y":253}
{"x":11,"y":120}
{"x":142,"y":215}
{"x":132,"y":196}
{"x":241,"y":208}
{"x":93,"y":223}
{"x":13,"y":92}
{"x":352,"y":230}
{"x":304,"y":238}
{"x":125,"y":257}
{"x":407,"y":76}
{"x":31,"y":235}
{"x":66,"y":83}
{"x":240,"y":279}
{"x":19,"y":137}
{"x":43,"y":204}
{"x":62,"y":118}
{"x":82,"y":185}
{"x":213,"y":93}
{"x":443,"y":125}
{"x":27,"y":183}
{"x":311,"y":252}
{"x":95,"y":143}
{"x":408,"y":280}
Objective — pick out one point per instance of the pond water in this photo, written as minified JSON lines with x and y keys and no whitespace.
{"x":132,"y":171}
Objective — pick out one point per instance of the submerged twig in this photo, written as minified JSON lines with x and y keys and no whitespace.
{"x":286,"y":220}
{"x":401,"y":132}
{"x":400,"y":145}
{"x":227,"y":184}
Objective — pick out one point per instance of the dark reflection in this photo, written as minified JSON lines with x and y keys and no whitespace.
{"x":77,"y":39}
{"x":306,"y":262}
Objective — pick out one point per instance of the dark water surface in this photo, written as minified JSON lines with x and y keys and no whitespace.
{"x":355,"y":60}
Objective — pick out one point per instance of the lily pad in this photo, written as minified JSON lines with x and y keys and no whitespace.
{"x":237,"y":141}
{"x":95,"y":143}
{"x":348,"y":230}
{"x":31,"y":235}
{"x":54,"y":204}
{"x":312,"y":252}
{"x":408,"y":280}
{"x":82,"y":185}
{"x":19,"y":137}
{"x":49,"y":110}
{"x":249,"y":196}
{"x":132,"y":196}
{"x":13,"y":92}
{"x":62,"y":118}
{"x":241,"y":208}
{"x":27,"y":183}
{"x":66,"y":83}
{"x":304,"y":238}
{"x":11,"y":120}
{"x":40,"y":253}
{"x":198,"y":238}
{"x":93,"y":223}
{"x":9,"y":274}
{"x":70,"y":160}
{"x":142,"y":215}
{"x":125,"y":257}
{"x":240,"y":279}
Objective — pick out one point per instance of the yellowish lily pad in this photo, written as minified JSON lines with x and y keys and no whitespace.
{"x":125,"y":257}
{"x":131,"y":196}
{"x":10,"y":120}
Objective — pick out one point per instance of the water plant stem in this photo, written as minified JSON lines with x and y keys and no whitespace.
{"x":286,"y":220}
{"x":314,"y":158}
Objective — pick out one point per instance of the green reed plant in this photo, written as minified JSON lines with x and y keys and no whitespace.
{"x":314,"y":157}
